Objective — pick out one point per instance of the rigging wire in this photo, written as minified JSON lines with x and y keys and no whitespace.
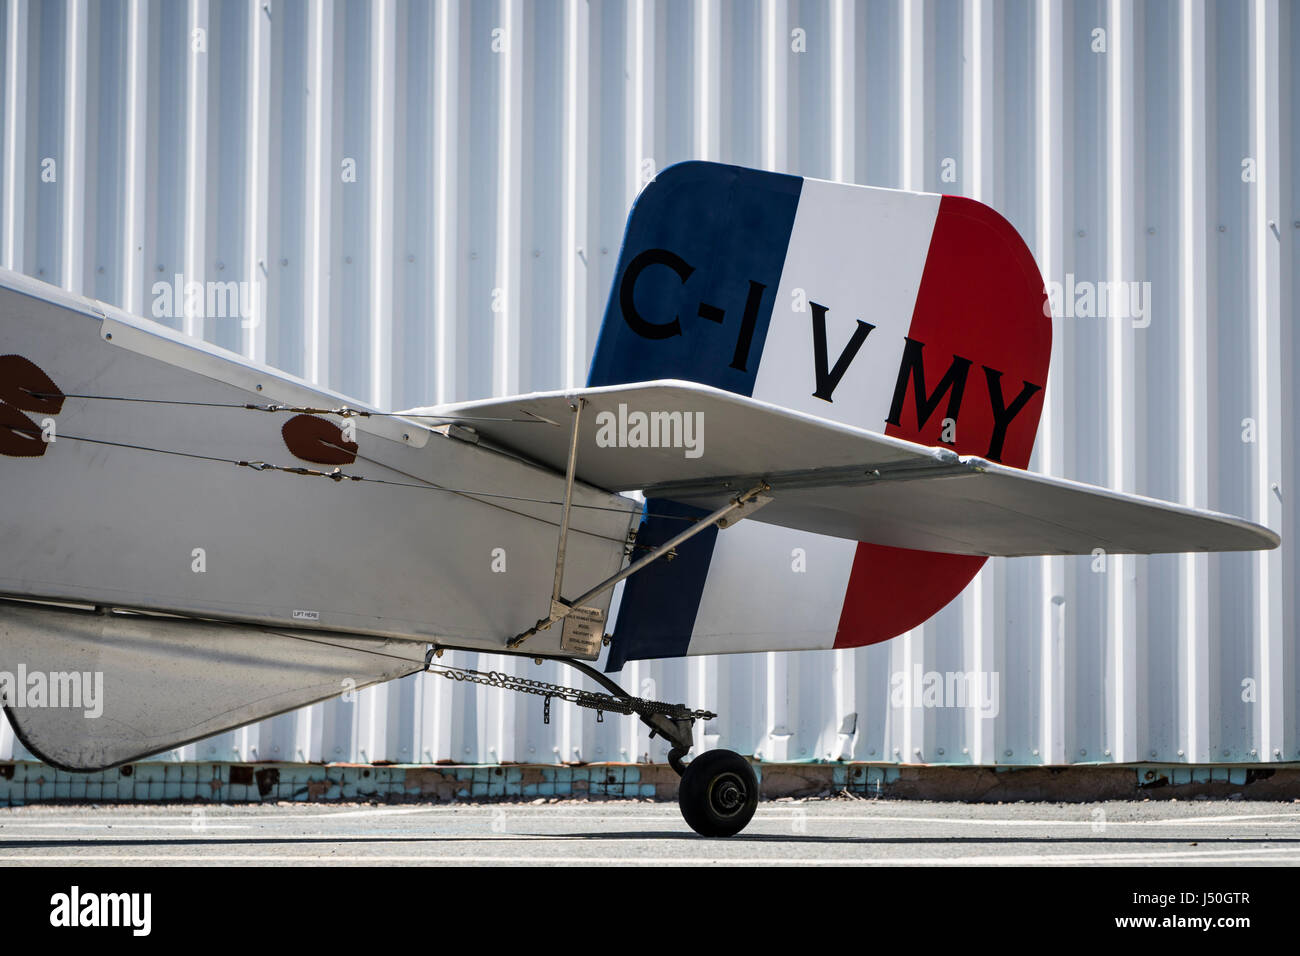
{"x":363,"y":650}
{"x":343,"y":411}
{"x":338,"y":475}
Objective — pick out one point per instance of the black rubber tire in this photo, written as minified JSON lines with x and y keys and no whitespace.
{"x":718,"y":793}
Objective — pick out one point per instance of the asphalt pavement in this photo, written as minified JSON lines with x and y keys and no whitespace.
{"x":819,"y":832}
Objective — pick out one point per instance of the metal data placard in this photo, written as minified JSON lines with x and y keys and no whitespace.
{"x":584,"y":627}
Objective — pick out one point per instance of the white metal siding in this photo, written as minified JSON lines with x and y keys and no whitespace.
{"x":497,"y":148}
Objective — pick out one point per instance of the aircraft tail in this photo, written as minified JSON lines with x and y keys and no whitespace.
{"x":920,"y":316}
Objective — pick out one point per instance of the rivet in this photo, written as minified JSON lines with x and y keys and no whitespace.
{"x":284,"y":262}
{"x":108,"y":336}
{"x":1080,"y":233}
{"x":1006,"y":753}
{"x":1223,"y":229}
{"x":220,"y":265}
{"x":1151,"y":230}
{"x":410,"y":258}
{"x":347,"y":259}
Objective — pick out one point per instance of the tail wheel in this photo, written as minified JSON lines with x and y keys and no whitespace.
{"x":718,"y":793}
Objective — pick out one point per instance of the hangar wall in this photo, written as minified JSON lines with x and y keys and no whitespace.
{"x":432,"y":197}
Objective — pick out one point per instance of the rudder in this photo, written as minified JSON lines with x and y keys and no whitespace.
{"x":911,"y":314}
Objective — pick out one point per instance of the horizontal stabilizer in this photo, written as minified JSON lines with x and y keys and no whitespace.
{"x":701,"y":446}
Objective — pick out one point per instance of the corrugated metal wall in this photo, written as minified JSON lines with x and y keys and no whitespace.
{"x":432,"y":196}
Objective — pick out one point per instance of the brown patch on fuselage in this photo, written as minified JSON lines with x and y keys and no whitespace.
{"x":318,"y":440}
{"x":24,"y":387}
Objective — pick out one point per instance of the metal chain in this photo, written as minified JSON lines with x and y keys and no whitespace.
{"x":595,"y":700}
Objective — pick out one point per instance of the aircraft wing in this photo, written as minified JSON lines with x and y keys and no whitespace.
{"x":835,"y":479}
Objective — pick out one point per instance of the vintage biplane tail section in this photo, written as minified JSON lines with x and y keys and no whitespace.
{"x":827,"y":395}
{"x":915,"y":315}
{"x":694,"y":448}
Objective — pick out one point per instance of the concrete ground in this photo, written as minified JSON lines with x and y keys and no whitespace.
{"x":839,"y":830}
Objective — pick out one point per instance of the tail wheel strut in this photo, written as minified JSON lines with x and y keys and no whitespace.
{"x":719,"y":789}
